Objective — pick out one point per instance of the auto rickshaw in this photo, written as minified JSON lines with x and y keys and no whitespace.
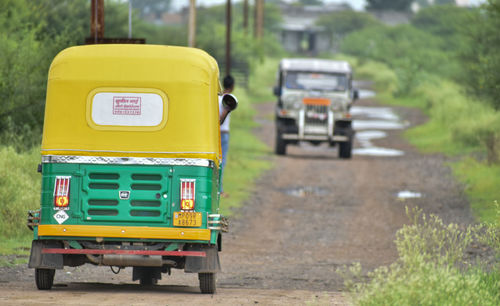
{"x":130,"y":163}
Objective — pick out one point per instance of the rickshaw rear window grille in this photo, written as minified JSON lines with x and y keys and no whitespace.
{"x":99,"y":202}
{"x":145,"y":203}
{"x":104,"y":176}
{"x":145,"y":213}
{"x":146,"y":177}
{"x":146,"y":187}
{"x":102,"y":212}
{"x":103,"y":186}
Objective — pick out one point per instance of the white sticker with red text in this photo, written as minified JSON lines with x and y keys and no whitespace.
{"x":127,"y":109}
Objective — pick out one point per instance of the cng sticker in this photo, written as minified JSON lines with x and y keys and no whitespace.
{"x":61,"y":216}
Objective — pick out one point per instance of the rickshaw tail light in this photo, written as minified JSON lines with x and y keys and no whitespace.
{"x":187,"y":194}
{"x":61,"y":191}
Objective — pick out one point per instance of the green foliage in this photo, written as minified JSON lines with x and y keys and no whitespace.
{"x":310,"y":2}
{"x":432,"y":268}
{"x":23,"y":65}
{"x":445,"y":22}
{"x":402,"y":48}
{"x":248,"y":157}
{"x":342,"y":23}
{"x":395,"y":5}
{"x":481,"y":183}
{"x":428,"y":3}
{"x":19,"y":190}
{"x":211,"y":36}
{"x":33,"y":32}
{"x":481,"y":58}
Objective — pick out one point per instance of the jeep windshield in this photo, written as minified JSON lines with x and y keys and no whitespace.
{"x":315,"y":81}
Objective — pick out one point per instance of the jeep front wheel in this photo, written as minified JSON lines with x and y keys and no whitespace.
{"x":280,"y":145}
{"x":345,"y":149}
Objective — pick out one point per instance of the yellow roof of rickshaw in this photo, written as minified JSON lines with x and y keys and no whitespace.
{"x":132,"y":100}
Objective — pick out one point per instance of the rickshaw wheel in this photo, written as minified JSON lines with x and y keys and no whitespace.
{"x":44,"y":278}
{"x":207,"y":282}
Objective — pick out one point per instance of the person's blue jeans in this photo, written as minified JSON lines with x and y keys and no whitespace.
{"x":224,"y":142}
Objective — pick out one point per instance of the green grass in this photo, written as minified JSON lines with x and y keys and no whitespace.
{"x":248,"y":157}
{"x":19,"y":192}
{"x":482,"y":185}
{"x":432,"y":268}
{"x":262,"y":80}
{"x":14,"y":251}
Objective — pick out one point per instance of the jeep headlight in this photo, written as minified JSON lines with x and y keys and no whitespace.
{"x":338,"y":105}
{"x":292,"y":102}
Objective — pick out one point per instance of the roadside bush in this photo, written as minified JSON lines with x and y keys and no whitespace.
{"x":411,"y":53}
{"x":432,"y":268}
{"x":480,"y":56}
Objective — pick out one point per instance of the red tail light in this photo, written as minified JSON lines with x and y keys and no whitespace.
{"x":187,"y":194}
{"x":61,"y":191}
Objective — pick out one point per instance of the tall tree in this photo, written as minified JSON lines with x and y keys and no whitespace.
{"x":395,"y":5}
{"x":481,"y":58}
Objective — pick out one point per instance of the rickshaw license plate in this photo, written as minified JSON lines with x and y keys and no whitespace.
{"x":187,"y":218}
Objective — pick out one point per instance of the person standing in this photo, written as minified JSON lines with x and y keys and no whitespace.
{"x":228,"y":84}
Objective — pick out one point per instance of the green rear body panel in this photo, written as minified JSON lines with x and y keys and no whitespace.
{"x":154,"y":194}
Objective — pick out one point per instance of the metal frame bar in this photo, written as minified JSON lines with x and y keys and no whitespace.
{"x":108,"y":160}
{"x":123,"y":252}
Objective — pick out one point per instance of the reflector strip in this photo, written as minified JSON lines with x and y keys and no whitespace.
{"x":61,"y":191}
{"x":123,"y":252}
{"x":188,"y":194}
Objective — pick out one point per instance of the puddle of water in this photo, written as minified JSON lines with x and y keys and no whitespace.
{"x":304,"y":191}
{"x":384,"y":113}
{"x":367,"y":135}
{"x":377,"y":124}
{"x":375,"y":151}
{"x":406,"y":194}
{"x":365,"y":93}
{"x":383,"y":119}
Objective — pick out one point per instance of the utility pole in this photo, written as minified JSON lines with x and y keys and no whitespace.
{"x":129,"y":19}
{"x":97,"y":20}
{"x":228,"y":37}
{"x":245,"y":16}
{"x":259,"y":19}
{"x":192,"y":24}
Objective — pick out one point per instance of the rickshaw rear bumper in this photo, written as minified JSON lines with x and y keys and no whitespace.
{"x":131,"y":232}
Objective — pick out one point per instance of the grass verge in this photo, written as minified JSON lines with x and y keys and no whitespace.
{"x":248,"y":157}
{"x":434,"y":267}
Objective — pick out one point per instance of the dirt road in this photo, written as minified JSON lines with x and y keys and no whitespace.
{"x":308,"y":216}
